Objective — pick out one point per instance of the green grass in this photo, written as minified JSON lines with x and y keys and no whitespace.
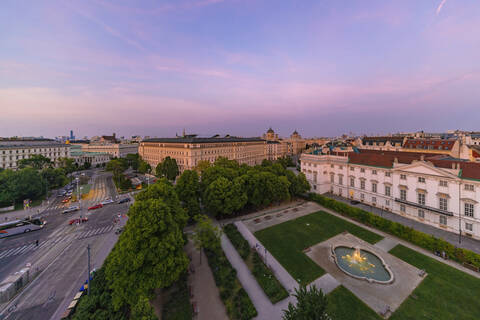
{"x":85,"y":189}
{"x":344,"y":305}
{"x":446,"y":293}
{"x":287,"y":240}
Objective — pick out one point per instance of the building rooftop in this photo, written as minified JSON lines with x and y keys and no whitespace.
{"x":203,"y":140}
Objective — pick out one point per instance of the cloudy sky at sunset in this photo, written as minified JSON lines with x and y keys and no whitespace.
{"x":238,"y":66}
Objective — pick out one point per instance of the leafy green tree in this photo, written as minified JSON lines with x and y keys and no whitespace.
{"x":168,"y":168}
{"x":116,"y":166}
{"x":201,"y":166}
{"x":263,"y":188}
{"x":298,"y":183}
{"x":226,"y":163}
{"x":149,"y":253}
{"x":188,"y":190}
{"x":144,"y":167}
{"x":36,"y":161}
{"x":142,"y":310}
{"x":7,"y":188}
{"x":311,"y":305}
{"x":55,"y":178}
{"x":224,"y":197}
{"x":68,"y":164}
{"x":286,"y":161}
{"x":206,"y":236}
{"x":133,"y":160}
{"x":214,"y":172}
{"x":28,"y":184}
{"x":87,"y":165}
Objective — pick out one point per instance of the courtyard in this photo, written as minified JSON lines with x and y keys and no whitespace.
{"x":424,"y":288}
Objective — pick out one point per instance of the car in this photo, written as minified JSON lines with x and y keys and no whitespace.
{"x":106,"y":201}
{"x":65,"y":200}
{"x":78,"y":220}
{"x":125,"y":200}
{"x":97,"y":206}
{"x":71,"y":209}
{"x":354,"y":202}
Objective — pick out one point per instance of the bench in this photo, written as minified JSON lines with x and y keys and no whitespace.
{"x":470,"y":266}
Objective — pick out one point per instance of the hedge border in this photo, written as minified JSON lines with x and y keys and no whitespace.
{"x":421,"y":239}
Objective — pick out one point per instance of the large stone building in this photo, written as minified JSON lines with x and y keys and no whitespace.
{"x":118,"y":150}
{"x":189,"y":150}
{"x":13,"y":150}
{"x":94,"y":158}
{"x":437,"y":190}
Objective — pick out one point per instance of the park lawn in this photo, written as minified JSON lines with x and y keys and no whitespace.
{"x":287,"y":240}
{"x":446,"y":293}
{"x":344,"y":305}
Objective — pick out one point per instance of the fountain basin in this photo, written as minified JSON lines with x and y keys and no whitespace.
{"x":362,"y":264}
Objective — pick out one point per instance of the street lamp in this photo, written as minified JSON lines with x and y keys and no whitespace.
{"x":78,"y":193}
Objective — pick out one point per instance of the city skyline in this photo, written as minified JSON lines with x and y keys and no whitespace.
{"x":238,"y":67}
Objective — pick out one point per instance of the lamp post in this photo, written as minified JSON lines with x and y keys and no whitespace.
{"x":78,"y":193}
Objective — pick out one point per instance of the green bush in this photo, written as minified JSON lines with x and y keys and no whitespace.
{"x":264,"y":276}
{"x":177,"y":306}
{"x":418,"y":238}
{"x":236,"y":301}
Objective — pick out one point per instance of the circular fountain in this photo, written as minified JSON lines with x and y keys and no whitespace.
{"x":362,"y":264}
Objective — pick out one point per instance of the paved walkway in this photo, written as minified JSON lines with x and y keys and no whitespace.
{"x":204,"y":289}
{"x":467,"y":243}
{"x":386,"y":244}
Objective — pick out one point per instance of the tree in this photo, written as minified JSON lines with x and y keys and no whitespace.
{"x":149,"y":253}
{"x":224,"y":197}
{"x":144,"y":167}
{"x":286,"y":161}
{"x":36,"y":161}
{"x":311,"y":305}
{"x":168,"y":168}
{"x":68,"y":164}
{"x":206,"y":236}
{"x":201,"y":166}
{"x":188,"y":190}
{"x":55,"y":178}
{"x":298,"y":184}
{"x":214,"y":172}
{"x":133,"y":160}
{"x":116,"y":166}
{"x":263,"y":188}
{"x":87,"y":165}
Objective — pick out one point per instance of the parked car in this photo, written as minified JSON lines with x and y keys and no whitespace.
{"x":71,"y":209}
{"x":106,"y":201}
{"x":125,"y":200}
{"x":97,"y":206}
{"x":354,"y":202}
{"x":65,"y":200}
{"x":78,"y":220}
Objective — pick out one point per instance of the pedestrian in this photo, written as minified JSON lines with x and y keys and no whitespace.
{"x":36,"y":243}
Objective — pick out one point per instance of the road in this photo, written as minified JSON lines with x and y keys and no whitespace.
{"x":61,"y":253}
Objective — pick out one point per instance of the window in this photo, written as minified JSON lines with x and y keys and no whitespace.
{"x":374,"y":187}
{"x":352,"y":169}
{"x":340,"y":180}
{"x":340,"y":167}
{"x":387,"y":203}
{"x":331,"y":166}
{"x":374,"y":199}
{"x":469,"y":187}
{"x":403,"y":194}
{"x":402,"y":208}
{"x":332,"y":177}
{"x":443,"y":220}
{"x":387,"y":190}
{"x":421,"y":213}
{"x":362,"y":196}
{"x":352,"y":182}
{"x":443,"y":204}
{"x":362,"y":184}
{"x":469,"y":226}
{"x":387,"y":174}
{"x":340,"y":191}
{"x":362,"y":170}
{"x":421,"y":198}
{"x":443,"y":183}
{"x":374,"y":171}
{"x":403,"y":177}
{"x":421,"y":179}
{"x":469,"y":207}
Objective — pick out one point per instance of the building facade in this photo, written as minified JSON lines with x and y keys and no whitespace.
{"x":437,"y":191}
{"x":189,"y":150}
{"x":12,"y":151}
{"x":94,"y":158}
{"x":118,"y":150}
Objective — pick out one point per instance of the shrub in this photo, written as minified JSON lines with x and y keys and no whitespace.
{"x":418,"y":238}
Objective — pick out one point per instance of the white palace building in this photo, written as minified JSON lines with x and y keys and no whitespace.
{"x":435,"y":189}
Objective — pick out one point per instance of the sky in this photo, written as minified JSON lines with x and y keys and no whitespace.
{"x":238,"y":67}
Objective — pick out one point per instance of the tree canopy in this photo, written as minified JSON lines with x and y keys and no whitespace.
{"x":188,"y":190}
{"x":311,"y":305}
{"x":168,"y":168}
{"x":206,"y":236}
{"x":36,"y":161}
{"x":223,"y":197}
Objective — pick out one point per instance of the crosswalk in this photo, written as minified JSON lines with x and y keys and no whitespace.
{"x":31,"y":247}
{"x":95,"y":232}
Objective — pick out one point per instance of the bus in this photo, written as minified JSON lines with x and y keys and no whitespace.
{"x":20,"y":226}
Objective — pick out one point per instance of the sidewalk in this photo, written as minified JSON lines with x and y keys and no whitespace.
{"x":467,"y":243}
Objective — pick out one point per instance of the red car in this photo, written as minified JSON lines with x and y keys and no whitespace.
{"x":78,"y":220}
{"x":98,"y":206}
{"x":65,"y":200}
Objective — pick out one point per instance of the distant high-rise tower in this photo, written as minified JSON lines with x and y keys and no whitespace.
{"x":72,"y":137}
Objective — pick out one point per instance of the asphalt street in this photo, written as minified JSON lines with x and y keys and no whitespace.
{"x":60,"y":256}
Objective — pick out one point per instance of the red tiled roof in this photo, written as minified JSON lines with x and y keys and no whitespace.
{"x":435,"y":144}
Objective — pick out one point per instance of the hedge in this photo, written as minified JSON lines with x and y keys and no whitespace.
{"x":234,"y":297}
{"x":264,"y":276}
{"x":426,"y":241}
